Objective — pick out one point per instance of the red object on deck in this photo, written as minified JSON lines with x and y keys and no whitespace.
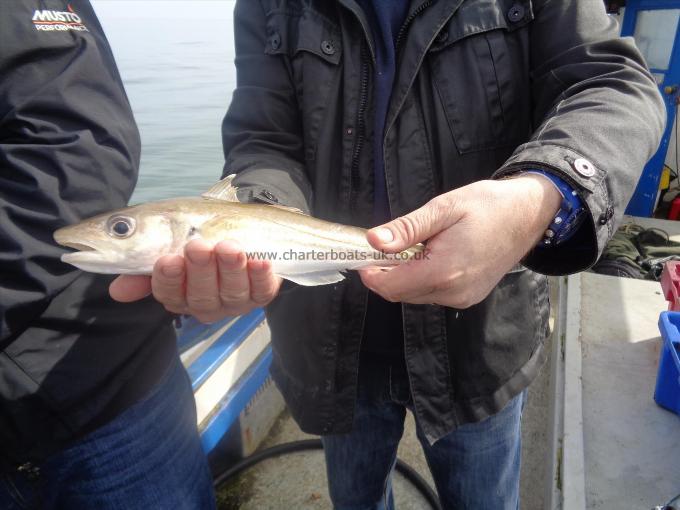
{"x":674,"y":213}
{"x":670,"y":284}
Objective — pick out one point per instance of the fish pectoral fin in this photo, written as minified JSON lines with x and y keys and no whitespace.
{"x":223,"y":190}
{"x":317,"y":278}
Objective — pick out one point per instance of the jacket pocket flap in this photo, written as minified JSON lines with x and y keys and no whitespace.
{"x":478,"y":16}
{"x":307,"y":31}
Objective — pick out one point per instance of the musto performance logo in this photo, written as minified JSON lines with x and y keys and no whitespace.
{"x":50,"y":21}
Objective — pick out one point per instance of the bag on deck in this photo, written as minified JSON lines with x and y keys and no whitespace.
{"x":637,"y":252}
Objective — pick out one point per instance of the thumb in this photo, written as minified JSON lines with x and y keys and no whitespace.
{"x":415,"y":227}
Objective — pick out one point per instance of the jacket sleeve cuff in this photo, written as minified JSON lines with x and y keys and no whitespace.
{"x":583,"y":249}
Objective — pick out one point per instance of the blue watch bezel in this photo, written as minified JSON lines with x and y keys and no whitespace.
{"x":569,"y":216}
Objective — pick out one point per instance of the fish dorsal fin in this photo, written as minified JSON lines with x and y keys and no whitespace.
{"x":223,"y":190}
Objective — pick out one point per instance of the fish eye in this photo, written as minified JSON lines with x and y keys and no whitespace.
{"x":121,"y":226}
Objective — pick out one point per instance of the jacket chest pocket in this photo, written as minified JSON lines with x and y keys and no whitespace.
{"x":311,"y":43}
{"x":480,"y":69}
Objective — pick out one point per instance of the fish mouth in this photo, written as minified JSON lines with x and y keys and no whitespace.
{"x":78,"y":246}
{"x":65,"y":237}
{"x":87,"y":252}
{"x":81,"y":246}
{"x":89,"y":258}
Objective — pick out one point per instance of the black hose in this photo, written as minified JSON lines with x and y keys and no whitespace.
{"x":672,"y":503}
{"x":315,"y":444}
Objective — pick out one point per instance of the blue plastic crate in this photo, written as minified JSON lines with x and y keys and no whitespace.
{"x":667,"y":393}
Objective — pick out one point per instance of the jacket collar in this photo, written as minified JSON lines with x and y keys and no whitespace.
{"x":359,"y":13}
{"x":415,"y":9}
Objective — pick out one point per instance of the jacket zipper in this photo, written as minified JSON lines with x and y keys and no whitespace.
{"x":357,"y":12}
{"x":361,"y":129}
{"x":400,"y":37}
{"x":402,"y":32}
{"x":363,"y":103}
{"x":409,"y":19}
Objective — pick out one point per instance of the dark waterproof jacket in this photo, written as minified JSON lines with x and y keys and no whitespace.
{"x":483,"y":88}
{"x":70,"y":357}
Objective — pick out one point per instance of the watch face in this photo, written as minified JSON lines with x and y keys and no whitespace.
{"x":570,"y":225}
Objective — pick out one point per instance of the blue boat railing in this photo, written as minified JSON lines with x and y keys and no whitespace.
{"x":227,"y":362}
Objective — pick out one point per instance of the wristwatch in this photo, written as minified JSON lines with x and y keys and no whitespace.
{"x":568,"y":218}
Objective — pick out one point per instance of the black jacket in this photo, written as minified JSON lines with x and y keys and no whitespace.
{"x":483,"y":88}
{"x":70,"y":357}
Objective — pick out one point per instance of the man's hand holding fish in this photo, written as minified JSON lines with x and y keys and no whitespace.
{"x":207,"y":283}
{"x":475,"y":235}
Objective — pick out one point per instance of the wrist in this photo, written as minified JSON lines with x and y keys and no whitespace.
{"x":539,"y":202}
{"x":540,"y":192}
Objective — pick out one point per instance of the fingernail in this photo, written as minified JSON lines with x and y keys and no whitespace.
{"x":384,"y":234}
{"x":200,"y":258}
{"x":173,"y":271}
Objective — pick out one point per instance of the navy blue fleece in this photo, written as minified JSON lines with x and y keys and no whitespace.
{"x":386,"y":18}
{"x":383,"y":333}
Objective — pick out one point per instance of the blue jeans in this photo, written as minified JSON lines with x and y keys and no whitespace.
{"x":475,"y":467}
{"x":149,"y":457}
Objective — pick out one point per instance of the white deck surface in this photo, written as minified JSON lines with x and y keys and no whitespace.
{"x":631,"y":447}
